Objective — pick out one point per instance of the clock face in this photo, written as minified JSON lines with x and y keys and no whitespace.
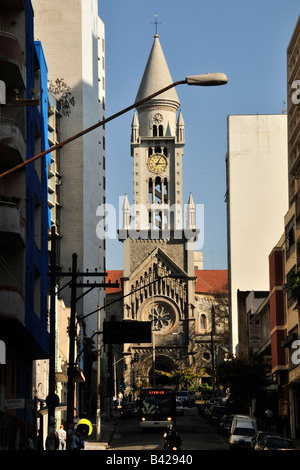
{"x":157,"y":163}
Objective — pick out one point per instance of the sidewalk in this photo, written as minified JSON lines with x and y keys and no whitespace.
{"x":107,"y":428}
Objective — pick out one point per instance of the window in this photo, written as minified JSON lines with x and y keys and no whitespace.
{"x":203,"y":321}
{"x":289,"y":238}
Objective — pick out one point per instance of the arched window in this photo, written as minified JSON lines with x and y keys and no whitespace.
{"x":203,"y":322}
{"x":161,"y":131}
{"x":154,"y":131}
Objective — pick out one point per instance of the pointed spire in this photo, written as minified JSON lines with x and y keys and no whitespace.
{"x":190,"y":214}
{"x":180,"y":121}
{"x":135,"y":121}
{"x":126,"y":213}
{"x":180,"y":128}
{"x":157,"y":76}
{"x":135,"y":128}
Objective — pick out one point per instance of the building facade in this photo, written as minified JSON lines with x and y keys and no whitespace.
{"x":257,"y":200}
{"x":73,"y":38}
{"x":291,"y":225}
{"x":24,"y":218}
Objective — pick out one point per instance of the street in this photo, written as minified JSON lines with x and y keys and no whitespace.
{"x":195,"y":433}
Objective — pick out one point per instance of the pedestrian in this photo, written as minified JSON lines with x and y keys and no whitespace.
{"x":73,"y":441}
{"x":269,"y":418}
{"x":115,"y":403}
{"x":30,"y":443}
{"x":120,"y":398}
{"x":62,"y":437}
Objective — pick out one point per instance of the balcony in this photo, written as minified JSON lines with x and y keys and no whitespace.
{"x":12,"y":305}
{"x":12,"y":145}
{"x":12,"y":223}
{"x":12,"y":63}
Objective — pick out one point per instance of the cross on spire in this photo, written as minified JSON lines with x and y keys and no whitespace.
{"x":156,"y":23}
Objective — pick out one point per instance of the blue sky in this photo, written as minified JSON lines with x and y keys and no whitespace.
{"x":246,"y":40}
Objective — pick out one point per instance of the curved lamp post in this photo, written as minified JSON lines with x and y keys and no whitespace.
{"x":207,"y":79}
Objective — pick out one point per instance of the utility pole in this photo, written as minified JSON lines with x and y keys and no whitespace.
{"x":72,"y":335}
{"x":52,"y":397}
{"x":71,"y":369}
{"x":212,"y":359}
{"x":98,"y":423}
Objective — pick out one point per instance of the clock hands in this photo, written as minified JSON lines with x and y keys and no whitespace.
{"x":158,"y":161}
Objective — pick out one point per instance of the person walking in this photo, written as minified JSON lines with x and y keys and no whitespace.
{"x":62,"y":437}
{"x":269,"y":419}
{"x":120,"y":398}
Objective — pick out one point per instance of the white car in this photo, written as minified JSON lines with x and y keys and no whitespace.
{"x":186,"y":397}
{"x":242,"y":437}
{"x":243,"y":429}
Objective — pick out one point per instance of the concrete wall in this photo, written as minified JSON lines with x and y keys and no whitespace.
{"x":257,"y":200}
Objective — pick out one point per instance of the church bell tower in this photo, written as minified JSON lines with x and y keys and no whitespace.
{"x":155,"y":241}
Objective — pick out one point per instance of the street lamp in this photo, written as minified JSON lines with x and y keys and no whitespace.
{"x":207,"y":79}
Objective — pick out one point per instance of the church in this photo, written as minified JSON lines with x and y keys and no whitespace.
{"x":161,"y":281}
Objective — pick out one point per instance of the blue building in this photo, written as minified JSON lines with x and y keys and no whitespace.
{"x":24,"y":218}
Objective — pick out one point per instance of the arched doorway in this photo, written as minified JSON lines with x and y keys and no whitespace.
{"x":162,"y":369}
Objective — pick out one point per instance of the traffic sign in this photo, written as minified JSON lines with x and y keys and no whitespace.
{"x":15,"y":403}
{"x":126,"y":331}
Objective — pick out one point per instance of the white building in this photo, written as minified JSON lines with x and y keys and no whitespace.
{"x":73,"y":38}
{"x":257,"y":200}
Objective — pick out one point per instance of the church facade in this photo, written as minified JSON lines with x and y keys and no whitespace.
{"x":159,"y":283}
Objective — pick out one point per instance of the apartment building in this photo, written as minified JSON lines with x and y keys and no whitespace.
{"x":24,"y":218}
{"x":278,"y":315}
{"x":292,"y":227}
{"x":73,"y":38}
{"x":257,"y":200}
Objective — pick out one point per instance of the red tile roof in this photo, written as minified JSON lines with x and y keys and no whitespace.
{"x":114,"y":276}
{"x":211,"y":281}
{"x":208,"y":281}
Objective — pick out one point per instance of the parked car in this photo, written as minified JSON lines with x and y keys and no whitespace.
{"x":179,"y":408}
{"x":276,"y":443}
{"x":256,"y":440}
{"x":186,"y":397}
{"x":242,"y":435}
{"x":225,"y":425}
{"x":128,"y":410}
{"x":215,"y":413}
{"x":240,"y":420}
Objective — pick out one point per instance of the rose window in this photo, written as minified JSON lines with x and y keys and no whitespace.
{"x":162,"y":317}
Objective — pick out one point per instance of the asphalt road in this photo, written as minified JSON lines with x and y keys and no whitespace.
{"x":195,"y":433}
